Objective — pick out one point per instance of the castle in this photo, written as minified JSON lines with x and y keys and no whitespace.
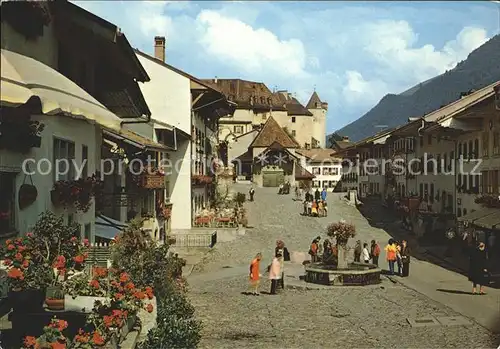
{"x":256,"y":103}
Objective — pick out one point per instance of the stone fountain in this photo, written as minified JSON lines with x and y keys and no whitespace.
{"x":335,"y":270}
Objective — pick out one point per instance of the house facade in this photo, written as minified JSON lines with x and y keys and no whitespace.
{"x":448,"y":161}
{"x":79,"y":86}
{"x":185,"y":110}
{"x":325,"y":165}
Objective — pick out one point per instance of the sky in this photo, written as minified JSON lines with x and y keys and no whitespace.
{"x":351,"y":53}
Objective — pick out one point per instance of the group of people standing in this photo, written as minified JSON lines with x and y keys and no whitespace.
{"x":316,"y":205}
{"x":398,"y":253}
{"x":367,"y":254}
{"x":276,"y":269}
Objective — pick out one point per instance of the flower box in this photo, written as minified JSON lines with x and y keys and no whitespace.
{"x":152,"y":181}
{"x":200,"y":180}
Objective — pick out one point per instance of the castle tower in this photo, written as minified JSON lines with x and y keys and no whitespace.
{"x":319,"y":110}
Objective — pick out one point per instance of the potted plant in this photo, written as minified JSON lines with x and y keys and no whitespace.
{"x":342,"y":232}
{"x":84,"y":291}
{"x":77,"y":193}
{"x":55,"y":299}
{"x":32,"y":259}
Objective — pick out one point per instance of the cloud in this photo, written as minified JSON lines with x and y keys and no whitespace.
{"x":357,"y":89}
{"x":353,"y":54}
{"x":250,"y":50}
{"x":394,"y":45}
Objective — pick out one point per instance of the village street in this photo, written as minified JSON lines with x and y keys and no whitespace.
{"x":373,"y":316}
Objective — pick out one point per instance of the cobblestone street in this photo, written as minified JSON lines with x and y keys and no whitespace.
{"x":374,"y":316}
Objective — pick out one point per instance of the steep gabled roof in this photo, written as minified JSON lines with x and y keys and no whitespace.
{"x":314,"y":101}
{"x":302,"y":173}
{"x":272,"y":132}
{"x":247,"y":94}
{"x":292,"y":105}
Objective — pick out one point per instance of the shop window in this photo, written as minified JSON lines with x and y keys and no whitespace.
{"x":7,"y":202}
{"x":63,"y":156}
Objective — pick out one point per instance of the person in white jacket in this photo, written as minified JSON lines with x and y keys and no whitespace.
{"x":274,"y":274}
{"x":365,"y":254}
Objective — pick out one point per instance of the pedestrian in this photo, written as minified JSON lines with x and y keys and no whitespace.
{"x":314,"y":249}
{"x":375,"y":252}
{"x":251,"y":192}
{"x":317,"y":195}
{"x":391,"y":257}
{"x":366,"y":253}
{"x":274,"y":274}
{"x":478,"y":270}
{"x":309,"y":208}
{"x":357,"y":251}
{"x":399,"y":259}
{"x":405,"y":257}
{"x":323,"y":194}
{"x":321,"y":211}
{"x":325,"y":209}
{"x":305,"y":207}
{"x":255,"y":274}
{"x":314,"y":209}
{"x":279,"y":252}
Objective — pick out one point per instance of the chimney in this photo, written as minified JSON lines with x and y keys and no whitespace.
{"x":160,"y":48}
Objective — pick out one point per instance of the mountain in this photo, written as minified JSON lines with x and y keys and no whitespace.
{"x":480,"y":69}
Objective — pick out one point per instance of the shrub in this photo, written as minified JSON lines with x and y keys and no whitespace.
{"x":176,"y":325}
{"x":342,"y":232}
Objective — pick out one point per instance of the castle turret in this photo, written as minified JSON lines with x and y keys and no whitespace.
{"x":319,"y":110}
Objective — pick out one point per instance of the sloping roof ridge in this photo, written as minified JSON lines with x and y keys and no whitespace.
{"x":313,"y":100}
{"x":177,"y":70}
{"x":466,"y":100}
{"x":271,"y":122}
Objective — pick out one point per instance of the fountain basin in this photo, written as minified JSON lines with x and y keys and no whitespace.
{"x":357,"y":274}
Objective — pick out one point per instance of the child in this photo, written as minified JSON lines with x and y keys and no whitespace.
{"x":314,"y":209}
{"x":320,"y":209}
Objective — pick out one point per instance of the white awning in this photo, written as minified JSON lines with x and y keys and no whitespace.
{"x":108,"y":228}
{"x":24,"y":77}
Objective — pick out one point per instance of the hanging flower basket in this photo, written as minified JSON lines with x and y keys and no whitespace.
{"x":76,"y":193}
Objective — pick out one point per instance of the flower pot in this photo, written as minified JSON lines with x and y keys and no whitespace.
{"x":25,"y":301}
{"x":54,"y":304}
{"x":83,"y":304}
{"x":27,"y":195}
{"x":55,"y":198}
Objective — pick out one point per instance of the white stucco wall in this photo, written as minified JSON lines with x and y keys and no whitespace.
{"x":321,"y":178}
{"x":318,"y":125}
{"x":63,"y":128}
{"x":168,"y":95}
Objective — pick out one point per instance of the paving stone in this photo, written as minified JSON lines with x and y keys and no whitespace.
{"x":358,"y":317}
{"x":453,"y":321}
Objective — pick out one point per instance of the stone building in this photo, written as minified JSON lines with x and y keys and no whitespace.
{"x":256,"y":103}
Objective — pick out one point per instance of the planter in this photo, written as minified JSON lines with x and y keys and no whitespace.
{"x":83,"y":304}
{"x":54,"y":304}
{"x":55,"y":198}
{"x":127,"y":326}
{"x":27,"y":195}
{"x":25,"y":301}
